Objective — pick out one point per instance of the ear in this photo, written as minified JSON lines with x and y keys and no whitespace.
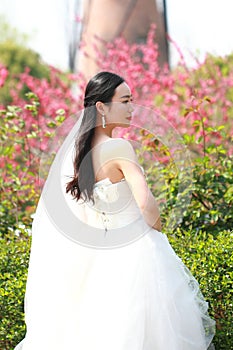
{"x":100,"y":106}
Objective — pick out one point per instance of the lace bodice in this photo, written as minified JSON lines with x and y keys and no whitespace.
{"x":114,"y":203}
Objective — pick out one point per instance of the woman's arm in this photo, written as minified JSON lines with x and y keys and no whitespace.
{"x":141,"y":192}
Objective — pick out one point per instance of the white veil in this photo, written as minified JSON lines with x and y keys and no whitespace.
{"x":70,"y":219}
{"x":68,"y":216}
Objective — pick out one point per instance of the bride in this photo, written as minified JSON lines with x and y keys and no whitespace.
{"x":101,"y":274}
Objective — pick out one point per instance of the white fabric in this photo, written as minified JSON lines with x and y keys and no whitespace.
{"x":136,"y":297}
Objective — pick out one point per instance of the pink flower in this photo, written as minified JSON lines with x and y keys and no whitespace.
{"x":3,"y":75}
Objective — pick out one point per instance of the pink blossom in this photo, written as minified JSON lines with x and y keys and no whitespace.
{"x":3,"y":75}
{"x":168,"y":93}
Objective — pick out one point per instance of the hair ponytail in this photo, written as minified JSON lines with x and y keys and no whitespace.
{"x":83,"y":178}
{"x":100,"y":88}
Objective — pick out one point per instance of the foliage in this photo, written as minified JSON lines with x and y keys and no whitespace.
{"x":200,"y":199}
{"x":197,"y":189}
{"x":26,"y":127}
{"x":196,"y":197}
{"x":210,"y":259}
{"x":198,"y":193}
{"x":212,"y":196}
{"x":14,"y":256}
{"x":170,"y":94}
{"x":18,"y":59}
{"x":9,"y":33}
{"x":25,"y":133}
{"x":18,"y":171}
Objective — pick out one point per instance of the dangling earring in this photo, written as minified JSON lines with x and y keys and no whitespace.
{"x":103,"y":122}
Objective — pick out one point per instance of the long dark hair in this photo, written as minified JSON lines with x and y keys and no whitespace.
{"x":100,"y":88}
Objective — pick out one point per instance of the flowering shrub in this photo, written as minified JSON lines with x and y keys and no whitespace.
{"x":26,"y":128}
{"x":182,"y":96}
{"x":16,"y":58}
{"x":3,"y":75}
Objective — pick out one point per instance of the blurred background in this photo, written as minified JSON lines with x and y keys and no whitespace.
{"x":55,"y":27}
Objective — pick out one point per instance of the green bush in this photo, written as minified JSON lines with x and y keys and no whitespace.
{"x":196,"y":196}
{"x":196,"y":187}
{"x":16,"y":58}
{"x":18,"y":193}
{"x":20,"y":161}
{"x":14,"y":256}
{"x":208,"y":206}
{"x":210,"y":259}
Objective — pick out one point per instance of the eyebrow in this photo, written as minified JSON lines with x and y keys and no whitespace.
{"x":126,"y":96}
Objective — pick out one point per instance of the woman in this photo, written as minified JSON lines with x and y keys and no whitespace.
{"x":101,"y":274}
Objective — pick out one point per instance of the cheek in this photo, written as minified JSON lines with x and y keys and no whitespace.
{"x":123,"y":108}
{"x":119,"y":111}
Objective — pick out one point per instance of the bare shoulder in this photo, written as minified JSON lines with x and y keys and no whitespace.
{"x":117,"y":148}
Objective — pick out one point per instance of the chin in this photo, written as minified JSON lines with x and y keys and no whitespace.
{"x":125,"y":125}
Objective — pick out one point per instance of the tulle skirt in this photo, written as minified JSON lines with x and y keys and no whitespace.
{"x":137,"y":297}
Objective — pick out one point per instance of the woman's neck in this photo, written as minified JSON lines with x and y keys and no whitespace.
{"x":101,"y":132}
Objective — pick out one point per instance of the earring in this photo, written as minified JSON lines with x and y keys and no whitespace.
{"x":103,"y":122}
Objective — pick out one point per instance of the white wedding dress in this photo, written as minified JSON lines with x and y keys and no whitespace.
{"x":133,"y":293}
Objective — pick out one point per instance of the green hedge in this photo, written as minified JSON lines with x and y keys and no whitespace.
{"x":14,"y":256}
{"x":210,"y":259}
{"x":205,"y":202}
{"x":16,"y":58}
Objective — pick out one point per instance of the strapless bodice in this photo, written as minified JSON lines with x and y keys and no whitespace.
{"x":113,"y":218}
{"x":114,"y":205}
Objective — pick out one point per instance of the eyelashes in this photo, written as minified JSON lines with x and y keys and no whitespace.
{"x":127,"y":101}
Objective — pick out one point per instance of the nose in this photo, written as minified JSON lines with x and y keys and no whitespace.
{"x":131,"y":107}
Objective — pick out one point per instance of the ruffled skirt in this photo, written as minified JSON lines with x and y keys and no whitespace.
{"x":137,"y":297}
